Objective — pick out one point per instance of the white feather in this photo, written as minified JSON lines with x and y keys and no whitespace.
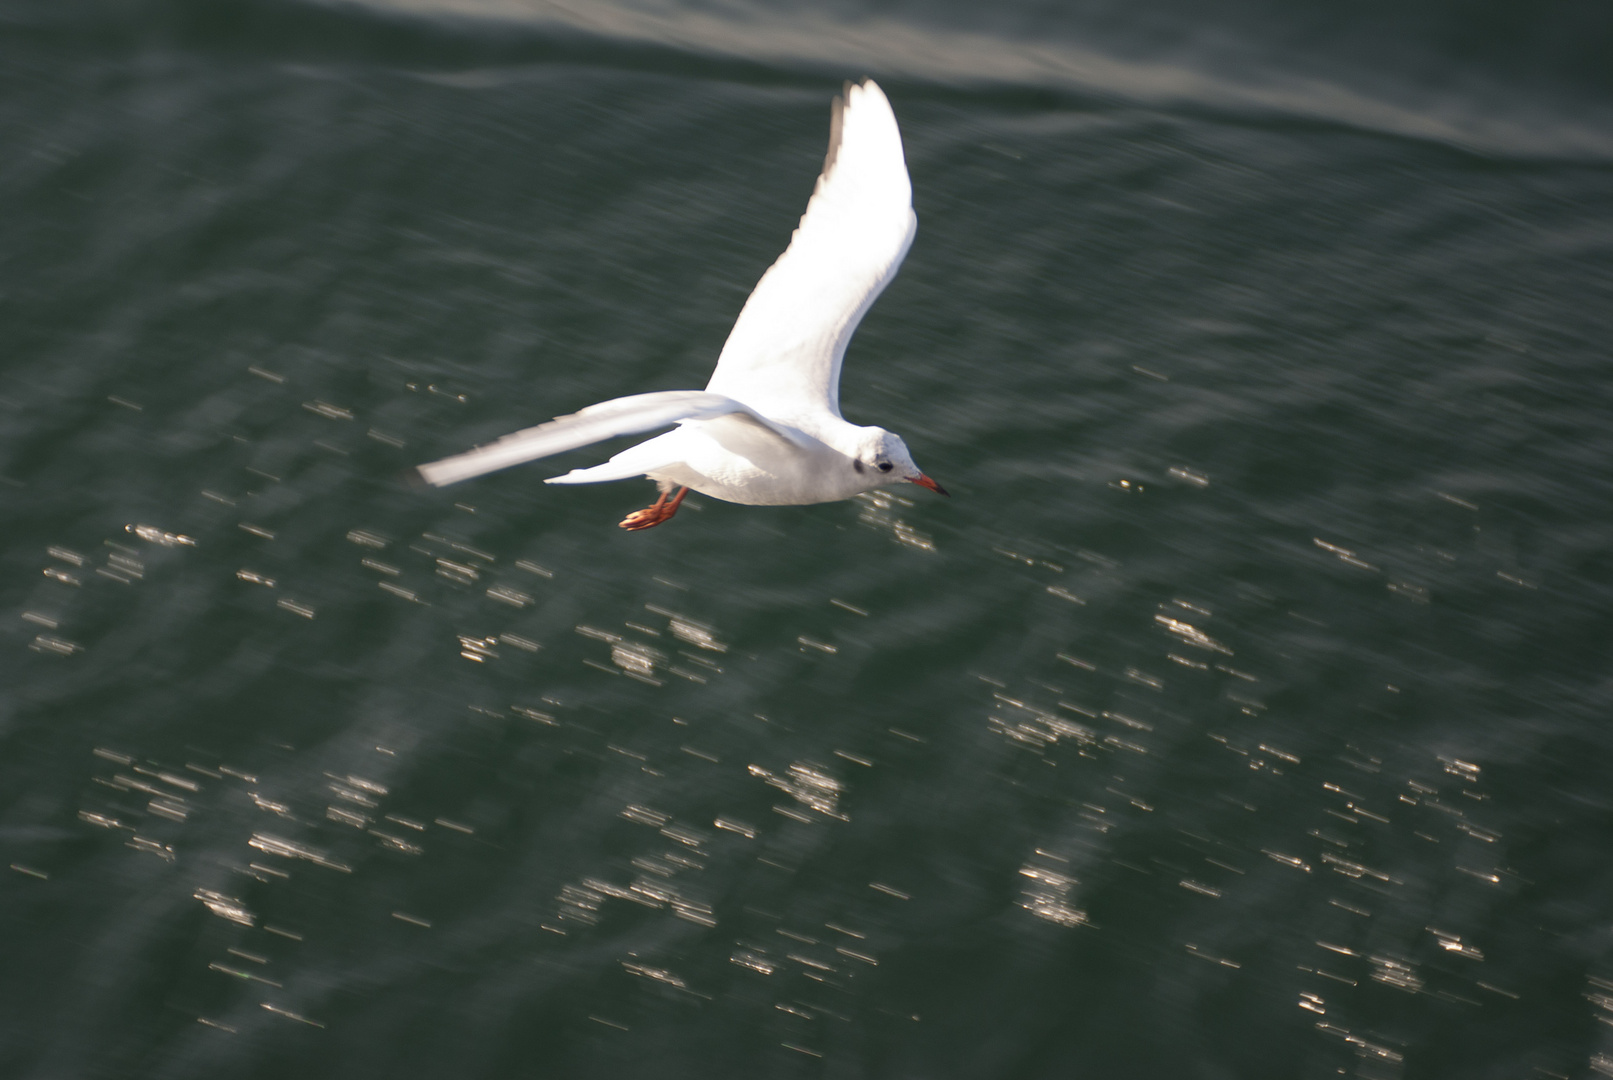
{"x":783,"y":356}
{"x":609,"y":419}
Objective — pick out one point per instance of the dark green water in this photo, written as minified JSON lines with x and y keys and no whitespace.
{"x":1243,"y":714}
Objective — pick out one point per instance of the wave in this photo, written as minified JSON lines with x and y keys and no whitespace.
{"x":1414,"y":84}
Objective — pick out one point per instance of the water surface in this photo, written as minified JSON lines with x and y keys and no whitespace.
{"x":1242,"y":714}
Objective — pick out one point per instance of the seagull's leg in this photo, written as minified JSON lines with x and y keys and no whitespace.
{"x":652,"y":516}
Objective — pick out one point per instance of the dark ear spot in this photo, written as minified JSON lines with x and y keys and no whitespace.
{"x":857,"y":464}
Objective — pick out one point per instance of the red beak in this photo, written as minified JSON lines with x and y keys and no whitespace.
{"x":924,"y":481}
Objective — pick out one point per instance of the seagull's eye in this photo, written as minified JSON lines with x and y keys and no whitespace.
{"x":884,"y":466}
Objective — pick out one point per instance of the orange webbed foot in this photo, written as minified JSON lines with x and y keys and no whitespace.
{"x":651,"y":516}
{"x":647,"y":518}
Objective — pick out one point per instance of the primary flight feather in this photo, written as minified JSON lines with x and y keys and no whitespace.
{"x":767,"y":429}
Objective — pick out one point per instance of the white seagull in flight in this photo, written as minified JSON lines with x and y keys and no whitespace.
{"x":767,"y":430}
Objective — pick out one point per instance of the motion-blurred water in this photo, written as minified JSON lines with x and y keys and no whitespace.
{"x":1243,"y":714}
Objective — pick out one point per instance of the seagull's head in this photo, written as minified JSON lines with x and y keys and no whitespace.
{"x":882,"y":459}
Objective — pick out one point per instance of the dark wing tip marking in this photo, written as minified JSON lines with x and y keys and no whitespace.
{"x":837,"y":119}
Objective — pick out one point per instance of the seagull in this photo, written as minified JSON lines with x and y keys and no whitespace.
{"x":767,"y":429}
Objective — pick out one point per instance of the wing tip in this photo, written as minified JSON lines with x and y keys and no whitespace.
{"x":837,"y":124}
{"x":845,"y":102}
{"x":421,"y":477}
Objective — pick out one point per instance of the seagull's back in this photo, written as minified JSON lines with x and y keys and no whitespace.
{"x":783,"y":356}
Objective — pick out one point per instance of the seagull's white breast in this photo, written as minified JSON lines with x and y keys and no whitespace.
{"x":732,"y":459}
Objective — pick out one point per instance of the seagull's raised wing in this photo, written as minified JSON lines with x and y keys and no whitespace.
{"x":783,"y":355}
{"x":607,"y":420}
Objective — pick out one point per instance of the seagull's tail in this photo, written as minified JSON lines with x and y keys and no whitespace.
{"x":647,"y":457}
{"x":599,"y":474}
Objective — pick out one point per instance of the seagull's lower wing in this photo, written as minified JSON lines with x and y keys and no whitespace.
{"x":607,"y":420}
